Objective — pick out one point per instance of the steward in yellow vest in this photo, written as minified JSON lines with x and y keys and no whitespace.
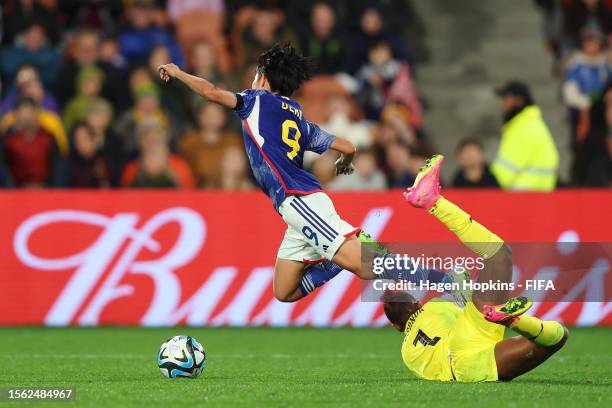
{"x":527,"y":158}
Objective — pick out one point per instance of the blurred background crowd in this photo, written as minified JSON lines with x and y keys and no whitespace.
{"x":82,"y":105}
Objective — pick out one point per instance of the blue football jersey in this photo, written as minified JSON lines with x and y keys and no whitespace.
{"x":276,"y":135}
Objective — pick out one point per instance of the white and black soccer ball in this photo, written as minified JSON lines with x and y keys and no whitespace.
{"x":181,"y":356}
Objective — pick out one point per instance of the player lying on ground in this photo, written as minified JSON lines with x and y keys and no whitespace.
{"x":443,"y":342}
{"x":276,"y":135}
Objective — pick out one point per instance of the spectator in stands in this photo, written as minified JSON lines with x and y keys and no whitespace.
{"x":21,"y":14}
{"x":146,"y":107}
{"x":234,"y":170}
{"x":47,"y":120}
{"x":398,"y":161}
{"x":400,"y":125}
{"x":153,"y":169}
{"x":87,"y":166}
{"x":592,"y":162}
{"x":265,"y":29}
{"x":204,"y":63}
{"x":402,"y":163}
{"x":98,"y":119}
{"x":141,"y":36}
{"x":29,"y":152}
{"x":187,"y":17}
{"x":527,"y":158}
{"x":323,"y":41}
{"x":156,"y":167}
{"x":367,"y":176}
{"x":110,"y":54}
{"x":175,"y":95}
{"x":473,"y":170}
{"x":298,"y":14}
{"x":96,"y":14}
{"x":607,"y":100}
{"x":140,"y":75}
{"x":89,"y":84}
{"x":371,"y":32}
{"x":340,"y":121}
{"x":580,"y":14}
{"x":204,"y":147}
{"x":585,"y":78}
{"x":552,"y":26}
{"x":28,"y":84}
{"x":84,"y":52}
{"x":396,"y":14}
{"x":386,"y":80}
{"x":33,"y":49}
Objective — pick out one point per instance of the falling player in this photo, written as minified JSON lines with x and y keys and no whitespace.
{"x":318,"y":244}
{"x":443,"y":342}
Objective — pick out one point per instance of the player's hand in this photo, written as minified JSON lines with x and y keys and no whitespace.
{"x":168,"y":71}
{"x":344,"y":166}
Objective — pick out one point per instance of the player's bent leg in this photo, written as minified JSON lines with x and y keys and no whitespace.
{"x":498,"y":268}
{"x":348,"y":257}
{"x":512,"y":315}
{"x":358,"y":259}
{"x":426,"y":193}
{"x":294,"y":280}
{"x":538,"y":339}
{"x":287,"y":278}
{"x":518,"y":355}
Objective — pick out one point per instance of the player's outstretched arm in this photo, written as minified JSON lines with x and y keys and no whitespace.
{"x":344,"y":165}
{"x":199,"y":85}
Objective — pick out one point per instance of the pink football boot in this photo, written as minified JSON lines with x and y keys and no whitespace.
{"x":426,"y":188}
{"x":506,"y":313}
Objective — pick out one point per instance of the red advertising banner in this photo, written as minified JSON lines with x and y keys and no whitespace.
{"x":206,"y":258}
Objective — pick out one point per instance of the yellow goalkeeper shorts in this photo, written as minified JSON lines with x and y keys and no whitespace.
{"x":472,"y":346}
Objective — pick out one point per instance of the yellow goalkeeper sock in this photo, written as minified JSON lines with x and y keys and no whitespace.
{"x":472,"y":234}
{"x":542,"y":333}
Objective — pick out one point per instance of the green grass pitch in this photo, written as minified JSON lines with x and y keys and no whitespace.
{"x":295,"y":367}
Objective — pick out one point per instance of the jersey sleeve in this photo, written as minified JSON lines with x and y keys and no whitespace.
{"x":245,"y":101}
{"x":318,"y":140}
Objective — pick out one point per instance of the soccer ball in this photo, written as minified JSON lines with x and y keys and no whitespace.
{"x":181,"y":356}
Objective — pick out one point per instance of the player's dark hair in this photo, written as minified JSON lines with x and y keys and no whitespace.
{"x":284,"y":68}
{"x":398,"y":307}
{"x":397,"y":312}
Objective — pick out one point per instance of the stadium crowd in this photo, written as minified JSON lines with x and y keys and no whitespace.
{"x":82,"y":105}
{"x":579,"y":34}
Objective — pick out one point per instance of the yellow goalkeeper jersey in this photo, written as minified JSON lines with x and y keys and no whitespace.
{"x":425,"y":350}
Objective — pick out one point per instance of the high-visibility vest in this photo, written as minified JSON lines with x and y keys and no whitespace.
{"x":527,"y":158}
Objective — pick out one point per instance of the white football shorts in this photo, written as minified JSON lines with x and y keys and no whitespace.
{"x":314,"y":229}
